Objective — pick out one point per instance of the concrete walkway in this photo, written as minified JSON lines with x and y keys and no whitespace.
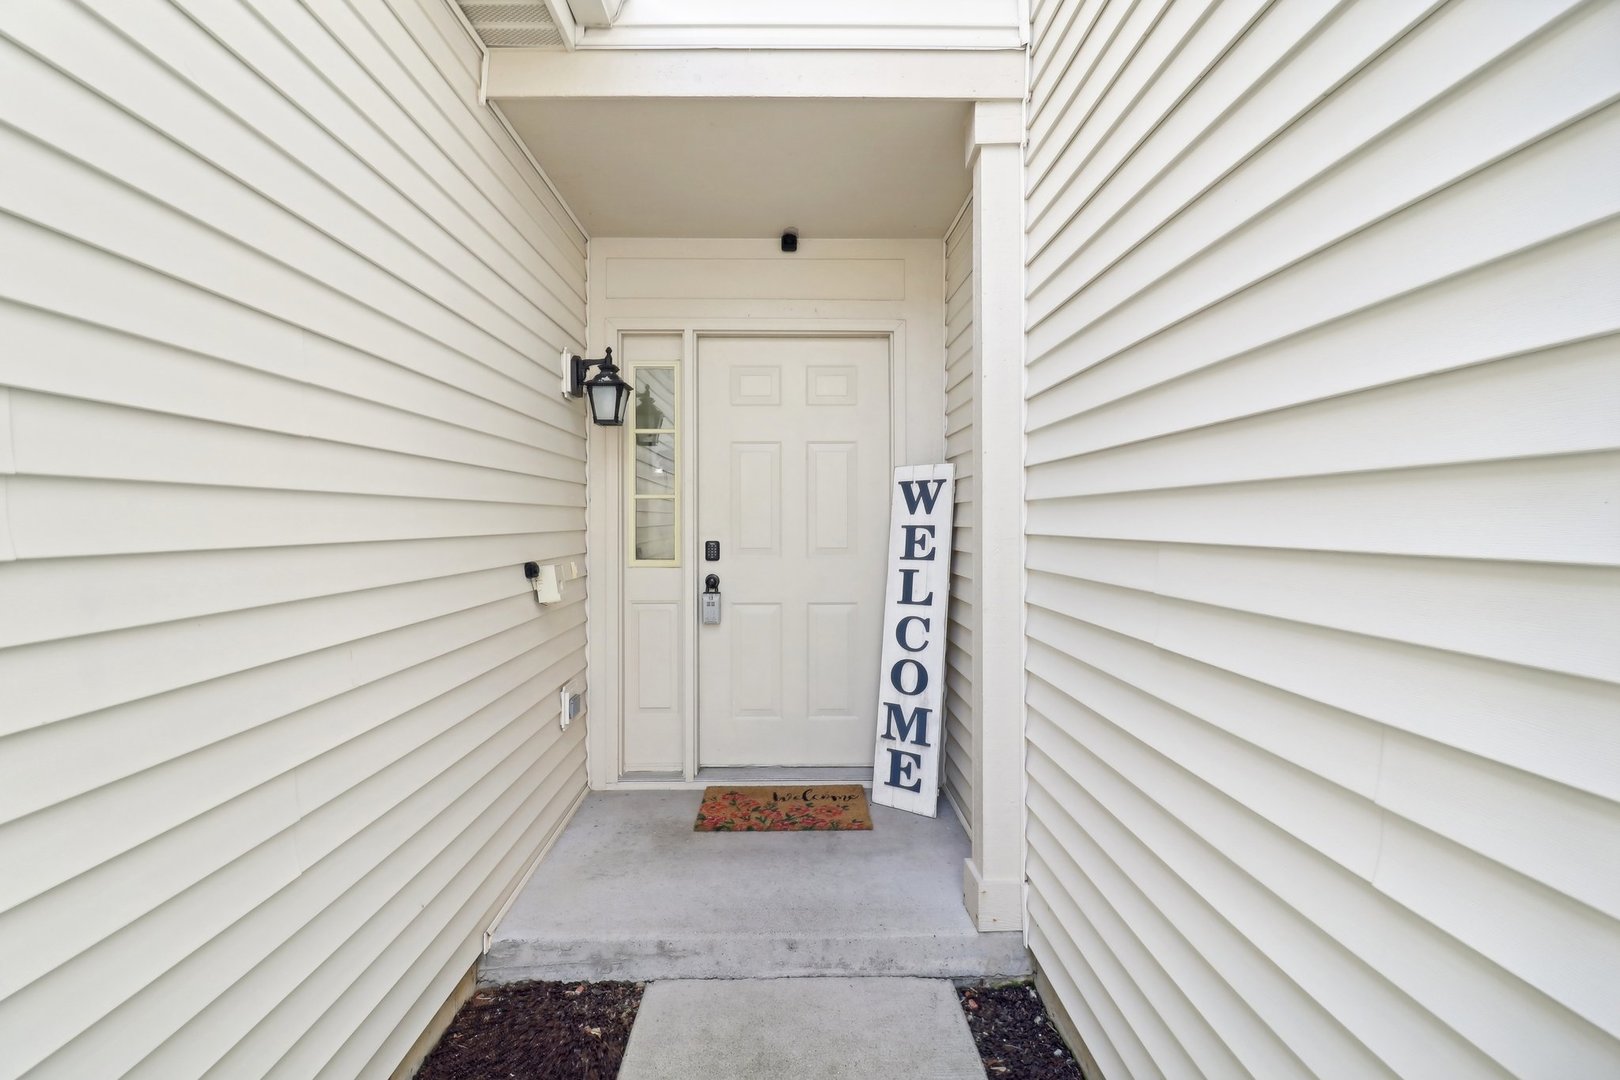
{"x":801,"y":1029}
{"x":630,"y":891}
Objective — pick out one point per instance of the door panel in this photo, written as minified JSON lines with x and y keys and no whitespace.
{"x":793,"y":465}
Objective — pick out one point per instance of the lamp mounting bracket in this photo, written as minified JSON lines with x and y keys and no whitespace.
{"x":576,"y":368}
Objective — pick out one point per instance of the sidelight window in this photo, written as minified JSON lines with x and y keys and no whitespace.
{"x":654,"y":480}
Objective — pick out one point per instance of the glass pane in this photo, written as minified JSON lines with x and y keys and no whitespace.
{"x":655,"y":464}
{"x":655,"y":529}
{"x":655,"y":397}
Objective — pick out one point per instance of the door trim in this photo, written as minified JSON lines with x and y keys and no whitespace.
{"x":832,"y":285}
{"x":607,"y":535}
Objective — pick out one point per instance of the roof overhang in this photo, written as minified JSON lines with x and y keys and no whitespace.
{"x":732,"y":167}
{"x":726,"y":142}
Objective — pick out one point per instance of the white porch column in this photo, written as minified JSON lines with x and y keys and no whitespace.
{"x":993,"y":879}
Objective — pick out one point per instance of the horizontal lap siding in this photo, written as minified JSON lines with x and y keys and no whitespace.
{"x":961,"y":449}
{"x":279,"y":722}
{"x":1324,"y":412}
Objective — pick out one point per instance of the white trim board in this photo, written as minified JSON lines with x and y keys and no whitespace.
{"x":528,"y":871}
{"x":971,"y":75}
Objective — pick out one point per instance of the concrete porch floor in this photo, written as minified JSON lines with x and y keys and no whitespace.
{"x":630,"y":891}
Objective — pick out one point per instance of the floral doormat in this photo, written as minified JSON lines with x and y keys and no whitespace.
{"x":788,"y":808}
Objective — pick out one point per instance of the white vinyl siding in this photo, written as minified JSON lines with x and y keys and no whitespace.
{"x":961,"y":449}
{"x":278,"y":712}
{"x":1323,"y":411}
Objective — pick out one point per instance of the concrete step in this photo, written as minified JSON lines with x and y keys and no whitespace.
{"x":630,"y":891}
{"x":801,"y":1029}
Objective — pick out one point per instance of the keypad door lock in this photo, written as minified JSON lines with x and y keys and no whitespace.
{"x":709,"y":600}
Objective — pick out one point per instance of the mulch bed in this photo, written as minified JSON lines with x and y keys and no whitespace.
{"x":1015,"y":1037}
{"x":537,"y":1031}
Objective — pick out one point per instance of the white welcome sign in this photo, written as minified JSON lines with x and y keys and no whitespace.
{"x":911,"y":694}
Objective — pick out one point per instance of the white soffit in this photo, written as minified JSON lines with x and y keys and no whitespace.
{"x":748,"y":168}
{"x":520,"y":23}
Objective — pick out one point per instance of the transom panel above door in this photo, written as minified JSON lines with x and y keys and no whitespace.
{"x":793,"y":459}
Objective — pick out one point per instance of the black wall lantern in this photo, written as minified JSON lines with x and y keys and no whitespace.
{"x":608,"y":394}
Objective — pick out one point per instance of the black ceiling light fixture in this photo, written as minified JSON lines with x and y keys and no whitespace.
{"x":609,"y":395}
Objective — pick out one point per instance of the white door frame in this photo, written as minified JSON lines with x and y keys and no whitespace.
{"x":891,"y":288}
{"x":605,"y":563}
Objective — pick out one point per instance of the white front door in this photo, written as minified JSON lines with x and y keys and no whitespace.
{"x":792,"y":473}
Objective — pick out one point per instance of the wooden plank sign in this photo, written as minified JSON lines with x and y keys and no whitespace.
{"x":911,"y":689}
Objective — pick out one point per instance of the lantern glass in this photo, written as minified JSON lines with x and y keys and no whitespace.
{"x":610,"y":399}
